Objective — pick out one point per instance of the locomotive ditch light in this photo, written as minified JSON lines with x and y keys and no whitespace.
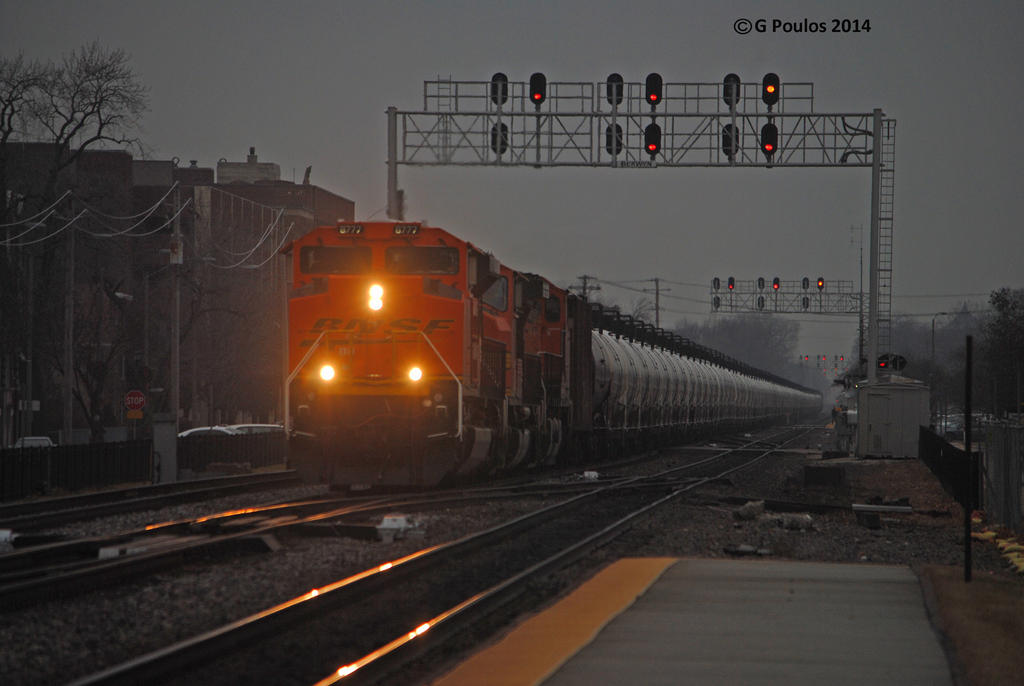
{"x":327,"y":372}
{"x":415,"y":374}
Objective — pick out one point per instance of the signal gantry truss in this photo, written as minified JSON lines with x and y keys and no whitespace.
{"x":837,"y":297}
{"x":577,"y":126}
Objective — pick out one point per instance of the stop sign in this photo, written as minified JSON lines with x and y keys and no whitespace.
{"x":134,"y":400}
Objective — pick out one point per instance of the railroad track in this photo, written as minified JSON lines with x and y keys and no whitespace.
{"x":43,"y":513}
{"x":391,"y":612}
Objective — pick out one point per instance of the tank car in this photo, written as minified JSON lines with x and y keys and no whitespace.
{"x":416,"y":357}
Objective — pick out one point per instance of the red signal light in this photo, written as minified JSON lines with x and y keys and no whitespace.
{"x":537,"y":96}
{"x":768,"y":147}
{"x":652,"y":147}
{"x":770,"y":88}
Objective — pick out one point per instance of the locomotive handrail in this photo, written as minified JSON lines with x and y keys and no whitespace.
{"x":291,"y":377}
{"x":458,"y":434}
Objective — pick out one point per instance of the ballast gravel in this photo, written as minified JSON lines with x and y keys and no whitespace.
{"x":64,"y":639}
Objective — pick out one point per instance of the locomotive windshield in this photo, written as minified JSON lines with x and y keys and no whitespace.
{"x":422,"y":260}
{"x":319,"y":259}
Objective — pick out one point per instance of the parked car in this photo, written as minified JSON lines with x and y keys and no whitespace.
{"x":34,"y":442}
{"x":257,"y":428}
{"x":208,"y":431}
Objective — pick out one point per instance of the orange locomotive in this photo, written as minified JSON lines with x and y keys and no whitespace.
{"x":417,"y":356}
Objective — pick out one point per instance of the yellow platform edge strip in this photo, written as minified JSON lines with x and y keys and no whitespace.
{"x":537,"y":647}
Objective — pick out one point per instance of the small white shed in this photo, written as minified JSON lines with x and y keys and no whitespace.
{"x":890,"y":413}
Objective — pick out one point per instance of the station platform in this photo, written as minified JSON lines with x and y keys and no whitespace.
{"x":653,"y":621}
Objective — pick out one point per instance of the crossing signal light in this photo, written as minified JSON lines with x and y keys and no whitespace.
{"x":806,"y":283}
{"x":653,"y":88}
{"x":732,"y":283}
{"x":760,"y":302}
{"x":760,"y":283}
{"x":499,"y":89}
{"x":769,"y":140}
{"x":613,"y":139}
{"x":731,"y":90}
{"x":821,"y":283}
{"x":805,"y":302}
{"x":614,"y":93}
{"x":775,"y":283}
{"x":716,"y":302}
{"x":538,"y":88}
{"x":716,"y":283}
{"x":770,"y":89}
{"x":652,"y":140}
{"x":499,"y":139}
{"x":730,"y":141}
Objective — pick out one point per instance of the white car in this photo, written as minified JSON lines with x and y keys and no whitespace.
{"x":34,"y":442}
{"x":208,"y":431}
{"x":257,"y":428}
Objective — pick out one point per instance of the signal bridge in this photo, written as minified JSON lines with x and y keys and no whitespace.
{"x":470,"y":123}
{"x":790,"y":297}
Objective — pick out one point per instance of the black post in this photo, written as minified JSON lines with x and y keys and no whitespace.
{"x":970,"y":489}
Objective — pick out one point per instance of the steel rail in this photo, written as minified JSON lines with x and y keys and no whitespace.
{"x":37,"y":514}
{"x":215,"y":643}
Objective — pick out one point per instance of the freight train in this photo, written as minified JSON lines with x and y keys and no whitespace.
{"x":418,"y":358}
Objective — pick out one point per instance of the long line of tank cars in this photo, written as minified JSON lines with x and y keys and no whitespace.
{"x":419,"y":357}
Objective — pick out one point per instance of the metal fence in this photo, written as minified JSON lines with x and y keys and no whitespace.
{"x":1004,"y":481}
{"x":949,"y":464}
{"x":37,"y":471}
{"x":198,"y":453}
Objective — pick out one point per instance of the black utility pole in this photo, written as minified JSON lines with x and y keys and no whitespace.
{"x":971,"y":479}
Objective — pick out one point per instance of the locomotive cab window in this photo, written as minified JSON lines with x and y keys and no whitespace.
{"x":422,"y":260}
{"x":497,"y":295}
{"x":552,"y":309}
{"x":321,"y":259}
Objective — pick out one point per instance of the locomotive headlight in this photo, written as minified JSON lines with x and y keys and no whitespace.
{"x":327,"y":372}
{"x":376,"y":297}
{"x":415,"y":373}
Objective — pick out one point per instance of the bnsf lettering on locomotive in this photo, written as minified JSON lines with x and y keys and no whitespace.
{"x":364,"y":326}
{"x":326,"y":323}
{"x":438,"y":324}
{"x":406,"y":324}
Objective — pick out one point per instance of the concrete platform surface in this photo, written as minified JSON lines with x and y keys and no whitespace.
{"x":646,"y":622}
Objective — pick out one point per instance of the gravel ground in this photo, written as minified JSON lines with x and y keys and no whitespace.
{"x":64,"y":639}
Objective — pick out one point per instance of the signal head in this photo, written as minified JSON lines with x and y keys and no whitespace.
{"x":732,"y":283}
{"x":653,"y":89}
{"x":775,"y":283}
{"x":614,"y":89}
{"x":499,"y":89}
{"x":538,"y":88}
{"x":731,"y":90}
{"x":770,"y":88}
{"x":769,"y":140}
{"x":652,"y":140}
{"x":821,"y":283}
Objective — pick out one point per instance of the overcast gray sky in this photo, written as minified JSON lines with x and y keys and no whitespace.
{"x":307,"y":83}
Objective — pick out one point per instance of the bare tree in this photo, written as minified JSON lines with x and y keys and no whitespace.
{"x":19,"y":86}
{"x":50,"y":115}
